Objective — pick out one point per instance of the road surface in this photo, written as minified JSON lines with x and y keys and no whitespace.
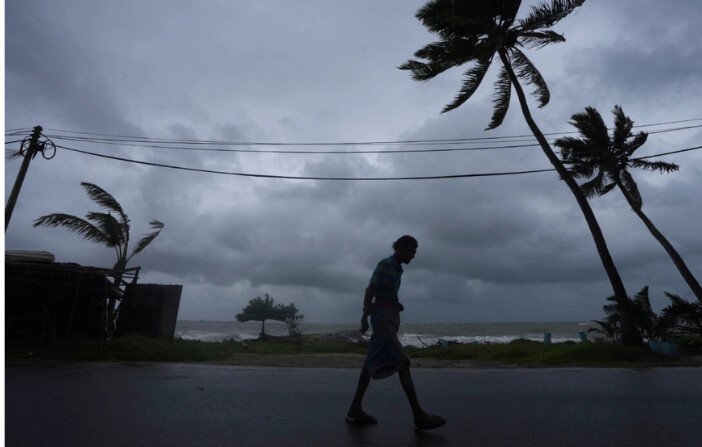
{"x":100,"y":404}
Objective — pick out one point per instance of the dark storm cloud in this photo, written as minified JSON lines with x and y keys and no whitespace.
{"x":490,"y":249}
{"x":53,"y":75}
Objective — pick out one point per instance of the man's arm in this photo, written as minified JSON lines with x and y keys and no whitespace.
{"x":367,"y":308}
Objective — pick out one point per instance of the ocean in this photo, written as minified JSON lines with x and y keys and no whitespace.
{"x":411,"y":334}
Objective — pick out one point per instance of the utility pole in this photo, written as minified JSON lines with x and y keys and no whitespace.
{"x":29,"y":149}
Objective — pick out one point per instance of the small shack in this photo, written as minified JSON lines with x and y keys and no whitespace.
{"x":45,"y":300}
{"x":150,"y":310}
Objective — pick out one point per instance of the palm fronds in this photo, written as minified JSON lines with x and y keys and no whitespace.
{"x":102,"y":227}
{"x":540,"y":39}
{"x":622,"y":127}
{"x":503,"y":93}
{"x":682,"y":317}
{"x":597,"y":186}
{"x":597,"y":152}
{"x":104,"y":199}
{"x":633,"y":144}
{"x":110,"y":227}
{"x":659,"y":166}
{"x":544,"y":16}
{"x":449,"y":18}
{"x":471,"y":81}
{"x":592,"y":128}
{"x":527,"y":71}
{"x":440,"y":56}
{"x":75,"y":225}
{"x":474,"y":31}
{"x":147,"y":239}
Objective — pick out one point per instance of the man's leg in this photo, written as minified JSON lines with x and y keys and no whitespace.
{"x":355,"y":413}
{"x":408,"y":386}
{"x":422,"y":420}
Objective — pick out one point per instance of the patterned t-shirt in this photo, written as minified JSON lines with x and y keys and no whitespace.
{"x":386,"y":280}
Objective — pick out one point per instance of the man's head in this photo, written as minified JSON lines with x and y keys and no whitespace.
{"x":405,"y":249}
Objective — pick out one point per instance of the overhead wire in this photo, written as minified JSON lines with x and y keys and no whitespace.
{"x":349,"y":143}
{"x":669,"y":153}
{"x":277,"y":151}
{"x":164,"y":144}
{"x":288,"y":177}
{"x":105,"y":138}
{"x":143,"y":143}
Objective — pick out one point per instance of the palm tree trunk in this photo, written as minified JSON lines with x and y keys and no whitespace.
{"x":630,"y":334}
{"x":112,"y":301}
{"x":674,"y":255}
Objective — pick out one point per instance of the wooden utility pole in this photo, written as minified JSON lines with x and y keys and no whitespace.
{"x":31,"y":151}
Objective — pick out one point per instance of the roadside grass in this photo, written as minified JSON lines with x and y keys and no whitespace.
{"x":530,"y":353}
{"x":135,"y":348}
{"x":520,"y":352}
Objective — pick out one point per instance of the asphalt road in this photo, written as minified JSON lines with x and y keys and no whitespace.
{"x":206,"y":405}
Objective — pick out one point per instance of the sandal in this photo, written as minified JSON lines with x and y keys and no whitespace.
{"x":363,"y":419}
{"x":429,"y":423}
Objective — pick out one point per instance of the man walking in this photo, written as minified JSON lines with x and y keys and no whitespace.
{"x":385,"y":355}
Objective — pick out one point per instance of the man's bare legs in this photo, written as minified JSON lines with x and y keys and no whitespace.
{"x":421,"y":418}
{"x":355,"y":412}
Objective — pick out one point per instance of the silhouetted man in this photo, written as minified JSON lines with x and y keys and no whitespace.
{"x":385,"y":355}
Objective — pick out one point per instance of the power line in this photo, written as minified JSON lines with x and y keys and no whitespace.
{"x":270,"y":176}
{"x":287,"y":177}
{"x":104,"y":138}
{"x":277,"y":151}
{"x":341,"y":152}
{"x":669,"y":153}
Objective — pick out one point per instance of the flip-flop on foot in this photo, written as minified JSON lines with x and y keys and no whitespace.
{"x":429,"y":423}
{"x":363,"y":419}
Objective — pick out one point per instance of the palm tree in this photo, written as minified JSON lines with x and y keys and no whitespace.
{"x":682,"y":317}
{"x":604,"y":159}
{"x":475,"y":31}
{"x":105,"y":229}
{"x":645,"y":318}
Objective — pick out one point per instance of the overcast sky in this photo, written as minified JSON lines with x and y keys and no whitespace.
{"x":511,"y":248}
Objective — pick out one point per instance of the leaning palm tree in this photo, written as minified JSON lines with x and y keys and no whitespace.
{"x":105,"y":229}
{"x":604,"y":160}
{"x":475,"y":32}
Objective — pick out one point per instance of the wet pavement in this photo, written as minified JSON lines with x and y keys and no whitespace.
{"x":209,"y":405}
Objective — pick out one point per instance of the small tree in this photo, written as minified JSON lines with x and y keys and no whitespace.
{"x":289,"y":315}
{"x":259,"y":309}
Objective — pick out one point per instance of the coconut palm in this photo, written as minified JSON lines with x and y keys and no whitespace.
{"x":682,"y":317}
{"x":645,"y":318}
{"x":476,"y":32}
{"x":605,"y":160}
{"x":106,"y":229}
